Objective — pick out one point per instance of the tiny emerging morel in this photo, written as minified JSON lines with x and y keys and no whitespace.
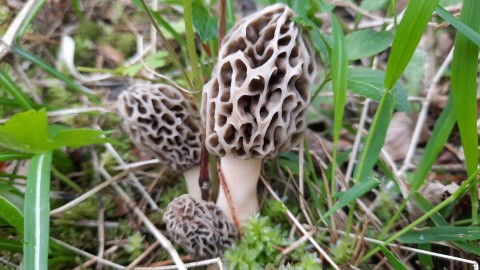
{"x":199,"y":227}
{"x":163,"y":123}
{"x":254,"y":106}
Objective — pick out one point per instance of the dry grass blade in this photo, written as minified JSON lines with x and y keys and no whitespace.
{"x":150,"y":226}
{"x":9,"y":36}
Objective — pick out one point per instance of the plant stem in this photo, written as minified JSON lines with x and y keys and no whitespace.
{"x":192,"y":51}
{"x":171,"y":52}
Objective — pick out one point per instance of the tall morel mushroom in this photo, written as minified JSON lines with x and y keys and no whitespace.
{"x":254,"y":105}
{"x":163,"y":123}
{"x":199,"y":227}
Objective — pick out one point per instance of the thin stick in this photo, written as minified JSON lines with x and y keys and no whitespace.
{"x":229,"y":199}
{"x":90,"y":262}
{"x":142,"y":256}
{"x":134,"y":181}
{"x":297,"y":243}
{"x":222,"y":21}
{"x":91,"y":192}
{"x":299,"y":225}
{"x":204,"y":179}
{"x":216,"y":261}
{"x":150,"y":226}
{"x":86,"y":254}
{"x":301,"y":182}
{"x":423,"y":113}
{"x":12,"y":31}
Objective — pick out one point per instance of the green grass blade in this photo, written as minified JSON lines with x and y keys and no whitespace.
{"x":192,"y":53}
{"x":6,"y":156}
{"x":462,"y":189}
{"x":52,"y":71}
{"x":407,"y":36}
{"x":439,"y":137}
{"x":11,"y":214}
{"x":156,"y":15}
{"x":9,"y":102}
{"x":11,"y":245}
{"x":8,"y":84}
{"x":78,"y":9}
{"x":442,"y":233}
{"x":459,"y":25}
{"x":339,"y":84}
{"x":26,"y":22}
{"x":37,"y":212}
{"x":464,"y":92}
{"x":352,"y":194}
{"x":394,"y":261}
{"x":426,"y":206}
{"x":376,"y":138}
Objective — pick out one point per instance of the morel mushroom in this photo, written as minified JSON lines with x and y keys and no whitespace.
{"x":254,"y":105}
{"x":199,"y":227}
{"x":163,"y":123}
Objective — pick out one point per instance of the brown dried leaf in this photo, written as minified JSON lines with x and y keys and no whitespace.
{"x":399,"y":135}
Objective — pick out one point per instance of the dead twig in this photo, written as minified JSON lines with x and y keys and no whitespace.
{"x":229,"y":199}
{"x":7,"y":40}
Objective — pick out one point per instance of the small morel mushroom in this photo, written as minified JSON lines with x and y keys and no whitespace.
{"x":254,"y":105}
{"x":163,"y":123}
{"x":199,"y":227}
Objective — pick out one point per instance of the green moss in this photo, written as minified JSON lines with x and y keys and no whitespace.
{"x":89,"y":30}
{"x":125,"y":43}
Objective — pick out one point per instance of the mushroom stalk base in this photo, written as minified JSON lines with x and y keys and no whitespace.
{"x":191,"y":178}
{"x":241,"y":177}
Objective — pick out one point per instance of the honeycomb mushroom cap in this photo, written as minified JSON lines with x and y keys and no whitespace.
{"x":199,"y":227}
{"x":163,"y":123}
{"x":254,"y":105}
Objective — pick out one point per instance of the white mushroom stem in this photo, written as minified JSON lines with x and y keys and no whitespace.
{"x":241,"y":177}
{"x":191,"y":178}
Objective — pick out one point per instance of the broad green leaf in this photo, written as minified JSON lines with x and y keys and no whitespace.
{"x":352,"y":194}
{"x":11,"y":214}
{"x":366,"y":43}
{"x":9,"y":85}
{"x":443,"y":233}
{"x":459,"y":25}
{"x":406,"y":39}
{"x":441,"y":131}
{"x":11,"y":245}
{"x":156,"y":60}
{"x":394,"y":261}
{"x":369,"y":83}
{"x":37,"y":212}
{"x":205,"y":24}
{"x":29,"y":132}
